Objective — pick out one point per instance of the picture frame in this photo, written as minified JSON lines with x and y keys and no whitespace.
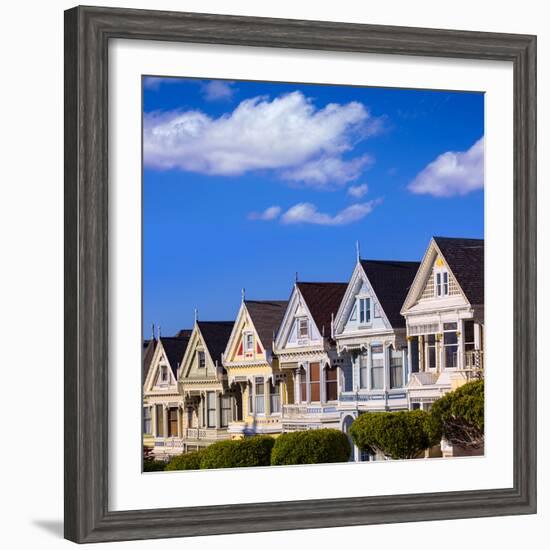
{"x":87,"y":34}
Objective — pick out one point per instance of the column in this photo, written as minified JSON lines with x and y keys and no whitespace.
{"x":218,"y":409}
{"x":297,"y":387}
{"x":165,"y":419}
{"x":322,"y":382}
{"x":460,"y":348}
{"x":369,"y":366}
{"x":407,"y":371}
{"x":154,"y":420}
{"x":267,"y":396}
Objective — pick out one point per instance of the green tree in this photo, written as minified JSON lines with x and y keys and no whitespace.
{"x":311,"y":447}
{"x":459,"y":416}
{"x":402,"y":434}
{"x":187,"y":461}
{"x":241,"y":453}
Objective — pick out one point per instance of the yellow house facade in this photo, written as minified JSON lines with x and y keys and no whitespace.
{"x":253,"y":371}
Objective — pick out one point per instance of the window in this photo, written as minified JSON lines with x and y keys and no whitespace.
{"x":430,"y":351}
{"x":396,"y":369}
{"x":164,"y":373}
{"x":353,"y":315}
{"x":303,"y":329}
{"x":331,"y":382}
{"x":259,"y":396}
{"x":275,"y":397}
{"x":202,"y":359}
{"x":364,"y":310}
{"x":414,"y":359}
{"x":160,"y":420}
{"x":250,"y":398}
{"x":442,"y":283}
{"x":363,"y":370}
{"x":469,"y":338}
{"x":377,"y":368}
{"x":450,"y":345}
{"x":315,"y":382}
{"x":172,"y":422}
{"x":303,"y":385}
{"x":248,"y":342}
{"x":147,"y":424}
{"x":211,"y":409}
{"x":226,"y":411}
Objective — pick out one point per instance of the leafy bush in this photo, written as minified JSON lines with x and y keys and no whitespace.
{"x":459,"y":417}
{"x":241,"y":453}
{"x":311,"y":447}
{"x":402,"y":434}
{"x":186,"y":461}
{"x":151,"y":465}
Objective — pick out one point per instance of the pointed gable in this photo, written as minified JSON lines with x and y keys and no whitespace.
{"x":149,"y":347}
{"x":465,"y":258}
{"x":215,"y":335}
{"x":174,"y":348}
{"x":391,"y":281}
{"x":323,"y":301}
{"x":266,"y":316}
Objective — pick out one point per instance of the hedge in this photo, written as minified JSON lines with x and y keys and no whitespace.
{"x":188,"y":461}
{"x":150,"y":465}
{"x":402,"y":434}
{"x":311,"y":447}
{"x":239,"y":453}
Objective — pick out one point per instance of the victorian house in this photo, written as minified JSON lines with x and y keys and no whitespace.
{"x":253,"y":371}
{"x":162,"y":404}
{"x":306,"y":352}
{"x":371,"y":339}
{"x":208,"y":404}
{"x":444,"y":312}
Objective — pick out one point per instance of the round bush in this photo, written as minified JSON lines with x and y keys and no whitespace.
{"x":187,"y":461}
{"x":402,"y":434}
{"x":311,"y":447}
{"x":151,"y":465}
{"x":459,"y":416}
{"x":240,"y":453}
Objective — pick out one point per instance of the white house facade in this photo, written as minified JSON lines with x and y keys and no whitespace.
{"x":307,"y":353}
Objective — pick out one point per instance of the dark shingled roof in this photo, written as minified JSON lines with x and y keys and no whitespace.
{"x":184,"y":332}
{"x":149,"y":347}
{"x":465,"y":257}
{"x":323,"y":300}
{"x":391,"y":282}
{"x":266,"y":316}
{"x":174,"y":347}
{"x":216,"y":334}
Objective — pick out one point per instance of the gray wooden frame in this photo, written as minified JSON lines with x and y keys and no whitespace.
{"x":87,"y":34}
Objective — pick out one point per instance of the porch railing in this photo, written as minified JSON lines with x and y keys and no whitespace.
{"x":205,"y":433}
{"x":472,"y":367}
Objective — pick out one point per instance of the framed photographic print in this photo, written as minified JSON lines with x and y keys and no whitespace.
{"x":300,"y":274}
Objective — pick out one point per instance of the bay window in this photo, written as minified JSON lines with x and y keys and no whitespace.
{"x":315,"y":382}
{"x":430,"y":351}
{"x":331,"y":383}
{"x":259,"y":396}
{"x":147,"y":421}
{"x":211,"y":409}
{"x":377,"y":370}
{"x":226,"y":411}
{"x":396,"y":368}
{"x":363,"y":370}
{"x":450,"y":344}
{"x":275,"y":397}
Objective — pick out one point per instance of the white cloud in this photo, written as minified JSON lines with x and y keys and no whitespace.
{"x":326,"y":170}
{"x":358,"y":191}
{"x":268,"y":214}
{"x":306,"y":212}
{"x":154,"y":82}
{"x":217,"y":90}
{"x":287,"y":134}
{"x":452,"y":173}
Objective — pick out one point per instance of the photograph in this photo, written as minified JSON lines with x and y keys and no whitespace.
{"x":313,"y":274}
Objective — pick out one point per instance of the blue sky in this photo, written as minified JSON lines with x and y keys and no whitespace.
{"x":247,"y":183}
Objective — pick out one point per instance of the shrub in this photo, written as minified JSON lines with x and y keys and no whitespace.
{"x":311,"y":447}
{"x":186,"y":461}
{"x":151,"y":465}
{"x":402,"y":434}
{"x":241,"y":453}
{"x":458,"y":416}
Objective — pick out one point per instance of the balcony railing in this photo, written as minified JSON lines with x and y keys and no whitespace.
{"x":206,"y":433}
{"x":295,"y":411}
{"x":472,"y":367}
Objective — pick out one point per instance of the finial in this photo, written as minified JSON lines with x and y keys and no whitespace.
{"x":153,"y":330}
{"x":158,"y":332}
{"x":196,"y":315}
{"x":242,"y":293}
{"x":296,"y":278}
{"x":358,"y":250}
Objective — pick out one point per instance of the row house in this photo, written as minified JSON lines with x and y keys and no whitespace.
{"x":307,"y":354}
{"x":209,"y":405}
{"x":253,"y":370}
{"x":444,"y":311}
{"x":162,"y":403}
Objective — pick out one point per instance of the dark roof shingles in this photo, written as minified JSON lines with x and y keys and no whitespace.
{"x":216,"y":334}
{"x":266,"y":316}
{"x":391,"y":281}
{"x":465,"y":257}
{"x":174,"y":347}
{"x":323,"y":300}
